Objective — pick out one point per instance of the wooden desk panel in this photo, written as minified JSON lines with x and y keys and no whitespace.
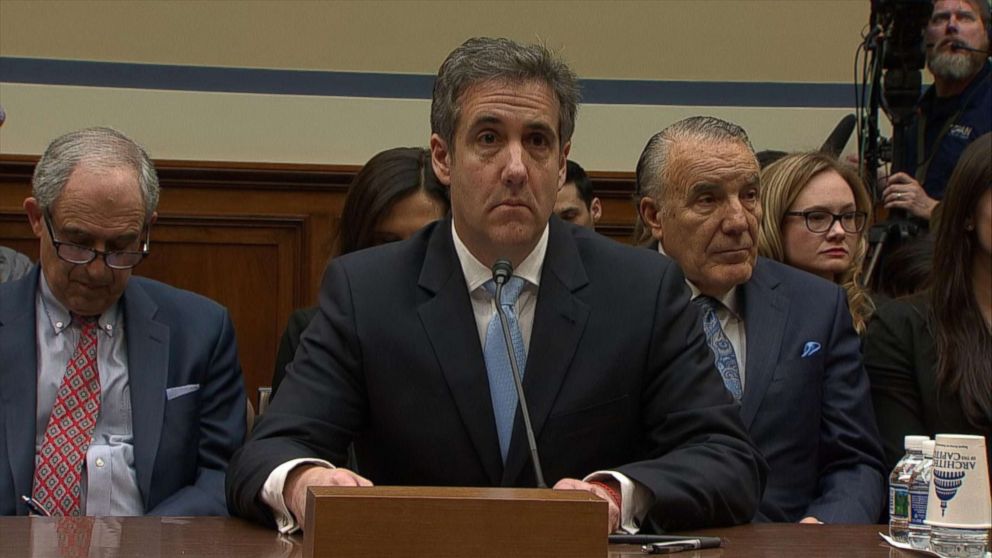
{"x":208,"y":537}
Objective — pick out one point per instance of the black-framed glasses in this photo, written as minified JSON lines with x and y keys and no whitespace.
{"x":81,"y":255}
{"x":819,"y":221}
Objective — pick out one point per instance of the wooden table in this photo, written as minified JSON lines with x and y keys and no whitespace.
{"x":196,"y":537}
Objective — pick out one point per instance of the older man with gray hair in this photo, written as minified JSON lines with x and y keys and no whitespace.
{"x":121,"y":395}
{"x":782,"y":338}
{"x":407,"y":360}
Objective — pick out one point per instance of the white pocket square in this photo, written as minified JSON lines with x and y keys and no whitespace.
{"x":179,"y":391}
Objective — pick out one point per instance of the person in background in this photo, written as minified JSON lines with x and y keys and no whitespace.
{"x":783,"y":339}
{"x":13,"y":264}
{"x":907,"y":270}
{"x":815,"y":217}
{"x":953,"y":111}
{"x":576,"y":202}
{"x":121,"y":395}
{"x":928,"y":355}
{"x":393,"y":196}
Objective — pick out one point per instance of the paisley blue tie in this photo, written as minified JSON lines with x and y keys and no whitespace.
{"x":501,"y":388}
{"x":723,"y":351}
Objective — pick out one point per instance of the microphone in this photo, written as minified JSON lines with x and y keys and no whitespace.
{"x":837,"y":139}
{"x":958,"y":45}
{"x":502,"y":271}
{"x":962,"y":46}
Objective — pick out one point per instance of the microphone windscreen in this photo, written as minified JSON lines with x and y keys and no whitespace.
{"x":502,"y":271}
{"x":837,"y":139}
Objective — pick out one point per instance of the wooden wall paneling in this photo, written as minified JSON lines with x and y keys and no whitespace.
{"x":248,"y":265}
{"x":616,"y":192}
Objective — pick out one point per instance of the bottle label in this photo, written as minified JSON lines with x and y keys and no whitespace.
{"x":898,"y":503}
{"x":918,"y":507}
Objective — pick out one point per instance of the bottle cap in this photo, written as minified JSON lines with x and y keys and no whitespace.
{"x":914,"y":443}
{"x":928,"y":446}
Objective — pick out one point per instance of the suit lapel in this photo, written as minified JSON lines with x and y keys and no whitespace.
{"x":148,"y":369}
{"x":19,"y":378}
{"x":449,"y":323}
{"x":559,"y":320}
{"x":765,"y":312}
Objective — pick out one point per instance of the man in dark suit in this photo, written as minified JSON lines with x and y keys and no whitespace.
{"x":402,"y":359}
{"x":120,"y":395}
{"x":803,"y":391}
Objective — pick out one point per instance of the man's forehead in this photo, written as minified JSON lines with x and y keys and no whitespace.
{"x":527,"y":94}
{"x":949,"y":6}
{"x":568,"y":193}
{"x":698,"y":160}
{"x":116,"y":187}
{"x":104,"y":171}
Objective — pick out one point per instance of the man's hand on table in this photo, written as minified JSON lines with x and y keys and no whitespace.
{"x":611,"y":495}
{"x":295,"y":490}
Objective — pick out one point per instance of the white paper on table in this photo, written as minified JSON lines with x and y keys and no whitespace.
{"x":904,"y":546}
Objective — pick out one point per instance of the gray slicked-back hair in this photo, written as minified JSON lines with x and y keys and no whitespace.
{"x":652,"y":167}
{"x":102,"y":148}
{"x":483,"y":59}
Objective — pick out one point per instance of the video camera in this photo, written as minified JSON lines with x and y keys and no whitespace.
{"x":895,"y":54}
{"x":902,"y":24}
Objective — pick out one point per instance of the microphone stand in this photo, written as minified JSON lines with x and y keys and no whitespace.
{"x":502,"y":270}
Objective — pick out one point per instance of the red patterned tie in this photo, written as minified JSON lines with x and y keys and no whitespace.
{"x":59,"y":464}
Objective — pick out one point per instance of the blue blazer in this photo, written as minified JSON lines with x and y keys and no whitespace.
{"x":618,"y":376}
{"x":181,"y":446}
{"x":806,"y":402}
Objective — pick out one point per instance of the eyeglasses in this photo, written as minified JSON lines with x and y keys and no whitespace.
{"x":822,"y":221}
{"x":80,"y":255}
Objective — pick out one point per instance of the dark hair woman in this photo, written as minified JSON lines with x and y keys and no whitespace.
{"x":928,"y":356}
{"x":393,"y":196}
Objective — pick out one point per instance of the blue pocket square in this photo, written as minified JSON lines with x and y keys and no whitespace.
{"x":810,"y":349}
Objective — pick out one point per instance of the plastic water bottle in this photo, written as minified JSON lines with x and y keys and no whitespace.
{"x":899,"y":503}
{"x":959,"y":543}
{"x":919,"y":492}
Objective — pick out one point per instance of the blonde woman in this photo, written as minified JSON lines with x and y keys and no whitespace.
{"x":816,"y":213}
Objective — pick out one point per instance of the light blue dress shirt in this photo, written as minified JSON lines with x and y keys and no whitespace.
{"x":109,"y":480}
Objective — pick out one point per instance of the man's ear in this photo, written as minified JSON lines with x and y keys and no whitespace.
{"x":441,"y":159}
{"x":596,"y":210}
{"x":563,"y":163}
{"x":651,"y":216}
{"x":35,"y":216}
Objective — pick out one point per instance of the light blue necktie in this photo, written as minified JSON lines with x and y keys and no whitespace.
{"x":501,"y":388}
{"x":723,"y":351}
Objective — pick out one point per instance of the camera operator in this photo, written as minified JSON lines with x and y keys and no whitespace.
{"x":955,"y":110}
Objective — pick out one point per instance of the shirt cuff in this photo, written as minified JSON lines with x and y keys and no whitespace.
{"x":635,"y":499}
{"x":272,"y":493}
